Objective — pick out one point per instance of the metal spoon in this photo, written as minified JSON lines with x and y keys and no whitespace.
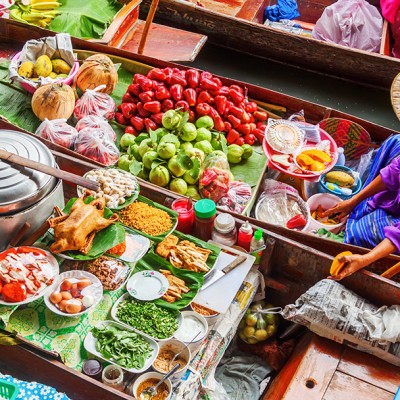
{"x":186,"y":346}
{"x":151,"y":391}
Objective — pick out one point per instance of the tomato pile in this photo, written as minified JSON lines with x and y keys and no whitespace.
{"x":199,"y":93}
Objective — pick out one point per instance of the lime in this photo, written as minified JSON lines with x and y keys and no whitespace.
{"x":248,"y":331}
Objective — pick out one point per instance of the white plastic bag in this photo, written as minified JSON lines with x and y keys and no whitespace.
{"x":351,"y":23}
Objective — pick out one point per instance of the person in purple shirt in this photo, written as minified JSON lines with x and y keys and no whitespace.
{"x":374,"y":213}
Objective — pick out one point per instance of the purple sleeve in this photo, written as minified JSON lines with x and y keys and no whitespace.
{"x":392,"y":233}
{"x":391,"y":175}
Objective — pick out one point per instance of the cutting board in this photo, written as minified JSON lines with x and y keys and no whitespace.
{"x":220,"y":294}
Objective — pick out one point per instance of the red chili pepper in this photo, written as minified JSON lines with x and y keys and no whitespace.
{"x":250,"y":139}
{"x":119,"y":117}
{"x":228,"y":126}
{"x":237,"y":88}
{"x":193,"y":78}
{"x":162,"y":93}
{"x":259,"y":134}
{"x":202,"y":109}
{"x":157,"y":118}
{"x":208,"y":84}
{"x":137,"y":122}
{"x":182,"y":104}
{"x":240,"y":141}
{"x":176,"y":92}
{"x":127,"y":98}
{"x":205,"y":74}
{"x":220,"y":103}
{"x":213,"y":112}
{"x":236,"y":96}
{"x":146,"y":84}
{"x":260,"y":115}
{"x":232,"y":136}
{"x":236,"y":111}
{"x":178,"y":79}
{"x":218,"y":123}
{"x":157,"y":74}
{"x":192,"y":116}
{"x":141,"y":111}
{"x":130,"y":130}
{"x":152,"y":106}
{"x":204,"y":97}
{"x":167,"y":104}
{"x":234,"y":121}
{"x":144,"y":97}
{"x":128,"y":110}
{"x":190,"y":96}
{"x":298,"y":221}
{"x":244,"y":129}
{"x":150,"y":124}
{"x":134,"y":89}
{"x":251,"y":106}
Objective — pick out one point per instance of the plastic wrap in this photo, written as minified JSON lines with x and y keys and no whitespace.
{"x":311,"y":132}
{"x":238,"y":196}
{"x":94,"y":121}
{"x":96,"y":103}
{"x":58,"y":131}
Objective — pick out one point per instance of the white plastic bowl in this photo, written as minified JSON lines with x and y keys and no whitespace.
{"x":179,"y":334}
{"x":150,"y":375}
{"x":326,"y":200}
{"x":211,"y":319}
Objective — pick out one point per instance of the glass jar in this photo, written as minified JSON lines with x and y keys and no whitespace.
{"x":184,"y":208}
{"x":92,"y":368}
{"x":113,"y":376}
{"x":204,"y":211}
{"x":224,"y":231}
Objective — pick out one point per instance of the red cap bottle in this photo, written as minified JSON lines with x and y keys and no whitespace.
{"x":245,"y":235}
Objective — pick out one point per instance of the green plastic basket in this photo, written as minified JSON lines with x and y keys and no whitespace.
{"x":8,"y":390}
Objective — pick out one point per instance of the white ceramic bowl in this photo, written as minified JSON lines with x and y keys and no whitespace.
{"x":211,"y":319}
{"x":175,"y":346}
{"x":150,"y":375}
{"x":326,"y":200}
{"x":187,"y":331}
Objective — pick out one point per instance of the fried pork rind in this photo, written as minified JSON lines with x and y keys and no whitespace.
{"x":164,"y":248}
{"x":176,"y":287}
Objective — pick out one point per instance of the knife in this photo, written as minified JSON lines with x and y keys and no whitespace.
{"x":219,"y":273}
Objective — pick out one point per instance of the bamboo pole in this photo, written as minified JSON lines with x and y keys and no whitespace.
{"x":149,"y":20}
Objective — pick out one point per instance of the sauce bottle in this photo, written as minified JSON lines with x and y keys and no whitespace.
{"x":224,"y":230}
{"x":204,"y":211}
{"x":245,"y":235}
{"x":257,"y":246}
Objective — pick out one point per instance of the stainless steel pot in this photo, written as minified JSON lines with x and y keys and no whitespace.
{"x":25,"y":195}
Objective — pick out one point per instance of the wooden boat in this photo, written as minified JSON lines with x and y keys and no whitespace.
{"x":238,"y":25}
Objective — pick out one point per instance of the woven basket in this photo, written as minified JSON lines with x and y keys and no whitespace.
{"x":395,"y":95}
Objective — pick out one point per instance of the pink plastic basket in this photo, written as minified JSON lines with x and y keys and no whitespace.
{"x":68,"y":80}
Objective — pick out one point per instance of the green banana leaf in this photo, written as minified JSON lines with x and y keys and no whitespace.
{"x":193,"y":280}
{"x":172,"y":214}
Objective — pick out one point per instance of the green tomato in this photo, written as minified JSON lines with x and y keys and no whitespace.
{"x":145,"y":146}
{"x":148,"y":158}
{"x":204,"y":146}
{"x":126,"y":140}
{"x":166,"y":150}
{"x":179,"y":186}
{"x":205,"y":122}
{"x":203,"y":134}
{"x":124,"y":162}
{"x":193,"y":192}
{"x":189,"y":132}
{"x":175,"y":167}
{"x":159,"y":176}
{"x":247,"y":151}
{"x":134,"y":149}
{"x":171,"y":119}
{"x":235,"y":153}
{"x":186,"y":146}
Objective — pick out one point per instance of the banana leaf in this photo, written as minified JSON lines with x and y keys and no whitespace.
{"x":172,"y":214}
{"x":193,"y":280}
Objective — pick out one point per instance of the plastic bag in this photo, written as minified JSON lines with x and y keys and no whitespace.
{"x":94,"y":102}
{"x":259,"y":323}
{"x":236,"y":199}
{"x":94,"y":121}
{"x":215,"y":178}
{"x":58,"y":131}
{"x":95,"y":144}
{"x":351,"y":23}
{"x":311,"y":132}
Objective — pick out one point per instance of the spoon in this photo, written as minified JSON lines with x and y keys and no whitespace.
{"x":186,"y":346}
{"x":151,"y":391}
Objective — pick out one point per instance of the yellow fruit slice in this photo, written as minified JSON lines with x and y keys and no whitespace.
{"x":336,"y":265}
{"x":318,"y":155}
{"x":304,"y":160}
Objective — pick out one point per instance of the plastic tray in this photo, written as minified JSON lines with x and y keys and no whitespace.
{"x":8,"y":390}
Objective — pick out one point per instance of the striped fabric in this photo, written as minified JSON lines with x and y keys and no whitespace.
{"x":365,"y":227}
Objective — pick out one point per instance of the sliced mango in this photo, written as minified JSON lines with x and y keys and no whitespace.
{"x":318,"y":155}
{"x":336,"y":265}
{"x":317,"y":166}
{"x":304,"y":161}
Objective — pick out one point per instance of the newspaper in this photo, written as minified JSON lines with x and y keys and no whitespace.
{"x":333,"y":311}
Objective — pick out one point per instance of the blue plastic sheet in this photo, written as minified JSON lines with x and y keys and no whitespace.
{"x":285,"y":9}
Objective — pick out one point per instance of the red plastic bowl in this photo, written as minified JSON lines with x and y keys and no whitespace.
{"x":68,"y":80}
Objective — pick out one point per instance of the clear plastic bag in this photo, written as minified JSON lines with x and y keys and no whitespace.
{"x":351,"y":23}
{"x":58,"y":131}
{"x":215,"y":178}
{"x":94,"y":102}
{"x":94,"y":121}
{"x":311,"y":132}
{"x":236,"y":199}
{"x":95,"y":144}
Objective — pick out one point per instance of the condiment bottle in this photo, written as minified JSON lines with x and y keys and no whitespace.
{"x":92,"y":368}
{"x":224,"y":231}
{"x":245,"y":235}
{"x":204,"y":211}
{"x":257,"y":246}
{"x":341,"y":157}
{"x":113,"y":376}
{"x":184,"y":208}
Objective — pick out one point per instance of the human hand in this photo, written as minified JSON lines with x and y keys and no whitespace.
{"x":340,"y":209}
{"x":352,"y":264}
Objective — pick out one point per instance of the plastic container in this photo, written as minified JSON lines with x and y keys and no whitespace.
{"x":224,"y":231}
{"x":92,"y":368}
{"x":209,"y":315}
{"x":257,"y":245}
{"x":245,"y":235}
{"x":326,"y":201}
{"x":8,"y":390}
{"x":341,"y":157}
{"x":113,"y":376}
{"x":184,"y":208}
{"x":204,"y":210}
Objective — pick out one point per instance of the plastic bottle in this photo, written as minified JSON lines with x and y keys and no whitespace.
{"x":257,"y":245}
{"x":341,"y":157}
{"x":204,"y":211}
{"x":224,"y":231}
{"x":245,"y":235}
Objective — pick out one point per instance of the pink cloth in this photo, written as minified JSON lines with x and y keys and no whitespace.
{"x":389,"y":9}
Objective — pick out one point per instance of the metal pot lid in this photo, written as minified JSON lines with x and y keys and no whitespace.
{"x":20,"y":187}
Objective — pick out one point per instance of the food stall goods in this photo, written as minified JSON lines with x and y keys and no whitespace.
{"x":205,"y":212}
{"x":224,"y":231}
{"x":185,"y":210}
{"x":245,"y":235}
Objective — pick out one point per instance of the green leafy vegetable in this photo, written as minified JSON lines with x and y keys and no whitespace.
{"x":125,"y":348}
{"x":148,"y":318}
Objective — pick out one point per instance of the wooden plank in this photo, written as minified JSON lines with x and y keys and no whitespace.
{"x":370,"y":369}
{"x":345,"y":387}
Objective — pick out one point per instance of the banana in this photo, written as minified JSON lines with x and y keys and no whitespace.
{"x":47,"y":14}
{"x":16,"y":14}
{"x":32,"y":17}
{"x":49,"y":5}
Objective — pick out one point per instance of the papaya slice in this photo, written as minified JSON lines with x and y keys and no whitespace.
{"x":304,"y":160}
{"x":318,"y":155}
{"x":336,"y":265}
